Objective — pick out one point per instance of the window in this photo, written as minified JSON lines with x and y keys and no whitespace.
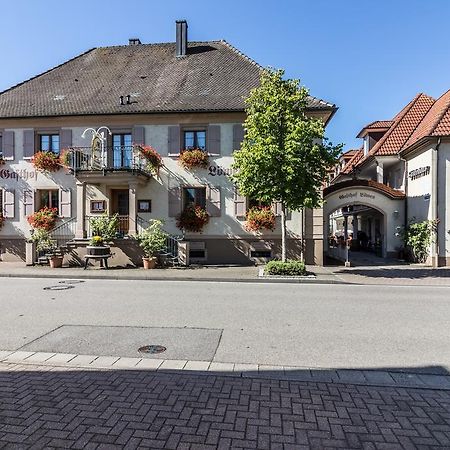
{"x":194,"y":196}
{"x":49,"y":143}
{"x":47,"y":197}
{"x":1,"y":146}
{"x":122,"y":150}
{"x":258,"y":203}
{"x":194,"y":139}
{"x":98,"y":206}
{"x":144,"y":206}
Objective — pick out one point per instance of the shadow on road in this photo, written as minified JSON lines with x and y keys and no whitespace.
{"x":75,"y":408}
{"x":402,"y":273}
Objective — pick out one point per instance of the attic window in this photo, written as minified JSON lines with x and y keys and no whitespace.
{"x":59,"y":97}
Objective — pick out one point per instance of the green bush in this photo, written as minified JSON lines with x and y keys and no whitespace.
{"x":290,"y":268}
{"x":105,"y":226}
{"x":153,"y":239}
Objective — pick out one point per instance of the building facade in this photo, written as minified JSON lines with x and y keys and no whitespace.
{"x":172,"y":97}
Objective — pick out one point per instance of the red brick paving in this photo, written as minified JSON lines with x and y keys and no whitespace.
{"x":44,"y":407}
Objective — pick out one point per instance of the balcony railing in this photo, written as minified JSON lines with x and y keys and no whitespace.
{"x":122,"y":229}
{"x":114,"y":159}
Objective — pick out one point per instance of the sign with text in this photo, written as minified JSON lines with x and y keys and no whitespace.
{"x":220,"y":171}
{"x":418,"y":173}
{"x":22,"y":174}
{"x":356,"y":195}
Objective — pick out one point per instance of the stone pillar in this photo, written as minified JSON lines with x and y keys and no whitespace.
{"x":183,"y":253}
{"x":80,"y":231}
{"x":132,"y":192}
{"x":30,"y":253}
{"x":355,"y":225}
{"x":380,"y":172}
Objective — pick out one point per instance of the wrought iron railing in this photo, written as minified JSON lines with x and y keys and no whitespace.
{"x":64,"y":232}
{"x":117,"y":158}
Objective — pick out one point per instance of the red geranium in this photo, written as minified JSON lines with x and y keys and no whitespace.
{"x":44,"y":219}
{"x":260,"y":218}
{"x":153,"y":158}
{"x":46,"y":161}
{"x":194,"y":158}
{"x":193,"y":218}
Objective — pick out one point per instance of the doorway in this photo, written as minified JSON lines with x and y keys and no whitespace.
{"x":120,"y":204}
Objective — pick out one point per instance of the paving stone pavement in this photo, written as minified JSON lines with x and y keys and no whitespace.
{"x":69,"y":407}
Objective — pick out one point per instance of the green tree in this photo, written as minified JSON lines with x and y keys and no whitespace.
{"x":284,"y":156}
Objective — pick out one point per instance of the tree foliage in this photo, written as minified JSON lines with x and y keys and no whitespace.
{"x":284,"y":156}
{"x":418,"y":237}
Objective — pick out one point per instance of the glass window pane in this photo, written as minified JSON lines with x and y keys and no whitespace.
{"x":201,"y":140}
{"x":55,"y":143}
{"x":188,"y":139}
{"x":54,"y":199}
{"x":200,"y":199}
{"x":45,"y":143}
{"x":43,"y":199}
{"x":189,"y":196}
{"x":1,"y":151}
{"x":127,"y":140}
{"x":116,"y":140}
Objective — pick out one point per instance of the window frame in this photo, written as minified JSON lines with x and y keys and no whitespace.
{"x":38,"y":203}
{"x":1,"y":148}
{"x":196,"y":197}
{"x":50,"y":134}
{"x":194,"y":129}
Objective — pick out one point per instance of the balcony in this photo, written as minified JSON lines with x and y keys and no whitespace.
{"x":120,"y":162}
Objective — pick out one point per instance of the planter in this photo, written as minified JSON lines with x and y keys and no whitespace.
{"x":149,"y":263}
{"x":98,"y":250}
{"x":56,"y":261}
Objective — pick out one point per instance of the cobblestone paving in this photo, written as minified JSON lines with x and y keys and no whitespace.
{"x":51,"y":407}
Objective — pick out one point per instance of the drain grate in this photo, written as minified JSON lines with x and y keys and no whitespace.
{"x":58,"y":288}
{"x":153,"y":349}
{"x":71,"y":281}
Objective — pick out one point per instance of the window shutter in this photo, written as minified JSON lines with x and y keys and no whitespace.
{"x":213,"y":145}
{"x":8,"y":203}
{"x":174,"y":201}
{"x":174,"y":140}
{"x":238,"y":136}
{"x":240,"y":204}
{"x":28,"y":202}
{"x":65,"y":137}
{"x":65,"y":202}
{"x":276,"y":208}
{"x":28,"y":143}
{"x":8,"y":145}
{"x":138,"y":135}
{"x":213,"y":201}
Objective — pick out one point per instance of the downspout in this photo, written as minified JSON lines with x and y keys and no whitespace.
{"x":435,"y":184}
{"x":405,"y":178}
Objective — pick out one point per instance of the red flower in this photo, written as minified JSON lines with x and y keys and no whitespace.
{"x":194,"y":158}
{"x":193,"y":218}
{"x":44,"y":219}
{"x":46,"y":161}
{"x":260,"y":218}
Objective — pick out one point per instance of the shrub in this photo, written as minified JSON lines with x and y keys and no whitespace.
{"x":153,"y":239}
{"x":260,"y":218}
{"x":46,"y":161}
{"x":96,"y":241}
{"x":43,"y":241}
{"x":192,"y":218}
{"x":153,"y":158}
{"x":418,"y":237}
{"x":289,"y":268}
{"x":44,"y":219}
{"x":105,"y":226}
{"x":65,"y":158}
{"x":194,"y":158}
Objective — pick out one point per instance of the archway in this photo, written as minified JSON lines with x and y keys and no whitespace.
{"x":370,"y":213}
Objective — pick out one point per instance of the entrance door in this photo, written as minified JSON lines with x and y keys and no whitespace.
{"x":121,"y":206}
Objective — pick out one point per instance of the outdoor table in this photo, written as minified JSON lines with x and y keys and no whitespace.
{"x":103,"y":260}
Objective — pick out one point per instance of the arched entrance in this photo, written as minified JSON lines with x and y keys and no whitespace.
{"x":370,"y":213}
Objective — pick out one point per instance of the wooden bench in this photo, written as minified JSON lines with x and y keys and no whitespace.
{"x":103,"y":260}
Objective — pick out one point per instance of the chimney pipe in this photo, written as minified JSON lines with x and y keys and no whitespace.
{"x":121,"y":100}
{"x":181,"y":35}
{"x":134,"y":41}
{"x":128,"y":99}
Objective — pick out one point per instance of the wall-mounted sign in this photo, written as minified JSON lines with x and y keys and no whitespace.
{"x":98,"y":206}
{"x":356,"y":195}
{"x":22,"y":174}
{"x":220,"y":171}
{"x":144,"y":206}
{"x":418,"y":173}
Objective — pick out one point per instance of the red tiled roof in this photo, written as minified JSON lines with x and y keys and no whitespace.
{"x":353,"y":161}
{"x":386,"y":190}
{"x":435,"y":123}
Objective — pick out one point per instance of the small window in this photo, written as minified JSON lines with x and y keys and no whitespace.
{"x":98,"y":206}
{"x":1,"y":146}
{"x":49,"y":143}
{"x":194,"y":196}
{"x":48,"y":198}
{"x":195,"y":139}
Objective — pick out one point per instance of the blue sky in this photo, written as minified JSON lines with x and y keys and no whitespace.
{"x":370,"y":58}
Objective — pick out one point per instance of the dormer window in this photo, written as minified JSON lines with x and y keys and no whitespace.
{"x":366,"y":145}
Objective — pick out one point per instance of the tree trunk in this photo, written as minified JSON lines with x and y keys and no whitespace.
{"x":283,"y":232}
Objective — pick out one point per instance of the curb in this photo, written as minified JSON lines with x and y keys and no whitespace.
{"x":369,"y":377}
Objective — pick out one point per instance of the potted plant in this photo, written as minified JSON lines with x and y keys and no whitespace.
{"x":44,"y":219}
{"x":152,"y":157}
{"x":192,"y":218}
{"x":45,"y":245}
{"x":46,"y":161}
{"x":104,"y":229}
{"x":97,"y":246}
{"x":56,"y":261}
{"x":260,"y":218}
{"x":152,"y":240}
{"x":194,"y":158}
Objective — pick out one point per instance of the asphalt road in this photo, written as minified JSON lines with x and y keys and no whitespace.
{"x":329,"y":326}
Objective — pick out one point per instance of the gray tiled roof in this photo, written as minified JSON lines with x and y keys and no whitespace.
{"x":213,"y":77}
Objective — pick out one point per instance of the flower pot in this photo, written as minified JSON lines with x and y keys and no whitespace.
{"x":149,"y":263}
{"x":56,"y":261}
{"x":98,"y":250}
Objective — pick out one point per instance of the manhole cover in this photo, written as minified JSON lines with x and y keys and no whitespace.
{"x":57,"y":288}
{"x":152,"y":349}
{"x":71,"y":281}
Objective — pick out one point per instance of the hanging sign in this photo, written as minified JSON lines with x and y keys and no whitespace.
{"x":418,"y":173}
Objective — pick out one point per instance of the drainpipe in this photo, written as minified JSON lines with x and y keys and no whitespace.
{"x":434,"y":195}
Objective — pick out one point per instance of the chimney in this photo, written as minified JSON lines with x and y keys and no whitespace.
{"x":134,"y":41}
{"x":181,"y":47}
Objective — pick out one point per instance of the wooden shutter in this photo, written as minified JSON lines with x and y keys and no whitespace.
{"x":8,"y":203}
{"x":174,"y":143}
{"x":213,"y":135}
{"x":213,"y":202}
{"x":65,"y":202}
{"x":28,"y":143}
{"x":240,"y":204}
{"x":65,"y":137}
{"x":28,"y":202}
{"x":8,"y":145}
{"x":174,"y":201}
{"x":138,"y":135}
{"x":238,"y":136}
{"x":276,"y":208}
